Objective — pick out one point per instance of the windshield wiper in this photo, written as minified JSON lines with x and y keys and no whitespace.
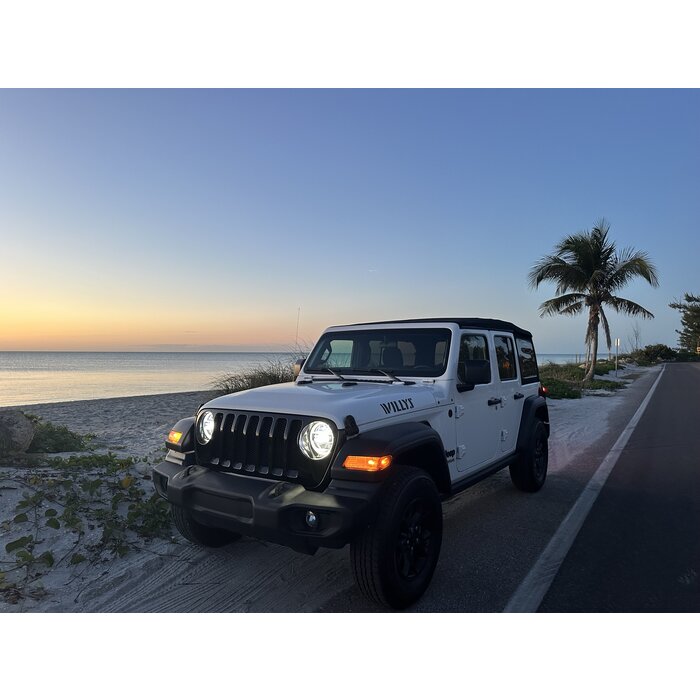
{"x":352,"y":380}
{"x":391,"y":376}
{"x":337,"y":375}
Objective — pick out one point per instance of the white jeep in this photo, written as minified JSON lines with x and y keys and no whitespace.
{"x":383,"y":422}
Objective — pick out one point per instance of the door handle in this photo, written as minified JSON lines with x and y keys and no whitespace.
{"x":494,"y":402}
{"x":518,"y":396}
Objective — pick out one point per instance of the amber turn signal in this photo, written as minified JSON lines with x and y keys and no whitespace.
{"x":174,"y":436}
{"x":367,"y":464}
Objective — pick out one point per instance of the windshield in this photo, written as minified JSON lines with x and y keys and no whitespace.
{"x":413,"y":352}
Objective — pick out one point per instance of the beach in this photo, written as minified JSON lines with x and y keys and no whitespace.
{"x":131,"y":425}
{"x":260,"y":575}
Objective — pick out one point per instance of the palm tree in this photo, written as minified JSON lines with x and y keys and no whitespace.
{"x":588,"y":272}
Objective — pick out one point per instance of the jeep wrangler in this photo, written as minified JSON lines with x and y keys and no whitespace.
{"x":383,"y":422}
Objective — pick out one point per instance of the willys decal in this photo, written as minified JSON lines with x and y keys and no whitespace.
{"x":397,"y":406}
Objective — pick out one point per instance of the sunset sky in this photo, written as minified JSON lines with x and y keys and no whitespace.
{"x":139,"y":220}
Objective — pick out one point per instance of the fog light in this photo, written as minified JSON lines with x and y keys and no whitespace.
{"x":311,"y":520}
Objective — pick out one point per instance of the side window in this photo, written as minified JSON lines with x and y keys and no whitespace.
{"x":527,"y":360}
{"x":505,"y":357}
{"x":474,"y":366}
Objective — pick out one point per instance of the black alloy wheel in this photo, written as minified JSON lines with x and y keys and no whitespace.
{"x":540,"y":456}
{"x":529,"y":471}
{"x":416,"y":538}
{"x":394,"y":557}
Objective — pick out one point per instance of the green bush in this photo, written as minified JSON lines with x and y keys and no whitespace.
{"x":653,"y":354}
{"x":566,"y":381}
{"x":558,"y":389}
{"x":56,"y":438}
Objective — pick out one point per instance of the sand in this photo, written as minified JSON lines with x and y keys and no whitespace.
{"x":136,"y":426}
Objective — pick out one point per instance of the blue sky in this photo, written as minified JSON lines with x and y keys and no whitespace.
{"x":158,"y":219}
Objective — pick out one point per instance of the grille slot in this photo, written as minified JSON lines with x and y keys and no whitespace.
{"x":262,"y":444}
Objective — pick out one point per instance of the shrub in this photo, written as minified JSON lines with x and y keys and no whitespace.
{"x":566,"y":381}
{"x":558,"y":389}
{"x":653,"y":354}
{"x":56,"y":438}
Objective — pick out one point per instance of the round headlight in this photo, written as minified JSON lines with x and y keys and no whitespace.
{"x":316,"y":440}
{"x":205,"y":427}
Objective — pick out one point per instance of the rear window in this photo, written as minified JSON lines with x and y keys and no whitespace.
{"x":505,"y":357}
{"x":527,"y":360}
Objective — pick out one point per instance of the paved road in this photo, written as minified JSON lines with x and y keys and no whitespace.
{"x":639,"y":549}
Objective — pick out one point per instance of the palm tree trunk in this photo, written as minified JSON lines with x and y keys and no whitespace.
{"x":593,"y":334}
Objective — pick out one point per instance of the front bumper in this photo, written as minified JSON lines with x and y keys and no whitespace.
{"x":269,"y":510}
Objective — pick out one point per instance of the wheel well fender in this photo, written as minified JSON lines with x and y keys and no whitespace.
{"x":411,"y":443}
{"x":534,"y":409}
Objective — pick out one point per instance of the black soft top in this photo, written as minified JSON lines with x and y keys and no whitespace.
{"x":490,"y":324}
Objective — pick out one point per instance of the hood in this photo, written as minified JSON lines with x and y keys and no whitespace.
{"x":365,"y":401}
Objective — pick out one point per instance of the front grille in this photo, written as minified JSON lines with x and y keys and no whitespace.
{"x":262,"y":444}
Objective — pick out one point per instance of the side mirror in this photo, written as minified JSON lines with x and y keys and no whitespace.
{"x":473,"y":372}
{"x":298,"y":365}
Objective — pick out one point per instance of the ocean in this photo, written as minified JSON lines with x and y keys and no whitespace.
{"x":48,"y":377}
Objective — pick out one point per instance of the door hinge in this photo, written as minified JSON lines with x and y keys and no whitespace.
{"x":504,"y":435}
{"x":459,"y":410}
{"x":461,"y":451}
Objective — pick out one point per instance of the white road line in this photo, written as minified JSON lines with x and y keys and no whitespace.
{"x":535,"y":585}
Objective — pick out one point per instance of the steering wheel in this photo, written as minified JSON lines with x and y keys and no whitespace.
{"x":428,"y":367}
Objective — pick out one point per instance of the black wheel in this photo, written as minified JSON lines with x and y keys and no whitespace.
{"x":529,"y":472}
{"x":200,"y":534}
{"x":394,"y":557}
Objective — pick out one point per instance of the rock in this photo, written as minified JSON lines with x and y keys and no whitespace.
{"x":16,"y":431}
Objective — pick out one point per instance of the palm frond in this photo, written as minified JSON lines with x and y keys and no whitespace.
{"x":625,"y":306}
{"x":567,"y":304}
{"x":630,"y":264}
{"x":553,"y":268}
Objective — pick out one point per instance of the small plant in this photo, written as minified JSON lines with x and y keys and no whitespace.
{"x":109,"y":462}
{"x":100,"y":494}
{"x":56,"y":438}
{"x":559,"y":389}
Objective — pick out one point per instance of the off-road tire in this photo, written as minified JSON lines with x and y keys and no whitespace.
{"x":200,"y":534}
{"x":529,"y":471}
{"x":393,"y":560}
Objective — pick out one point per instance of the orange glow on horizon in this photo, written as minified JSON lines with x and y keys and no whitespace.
{"x":65,"y":326}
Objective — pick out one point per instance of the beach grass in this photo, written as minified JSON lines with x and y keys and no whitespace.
{"x":273,"y":371}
